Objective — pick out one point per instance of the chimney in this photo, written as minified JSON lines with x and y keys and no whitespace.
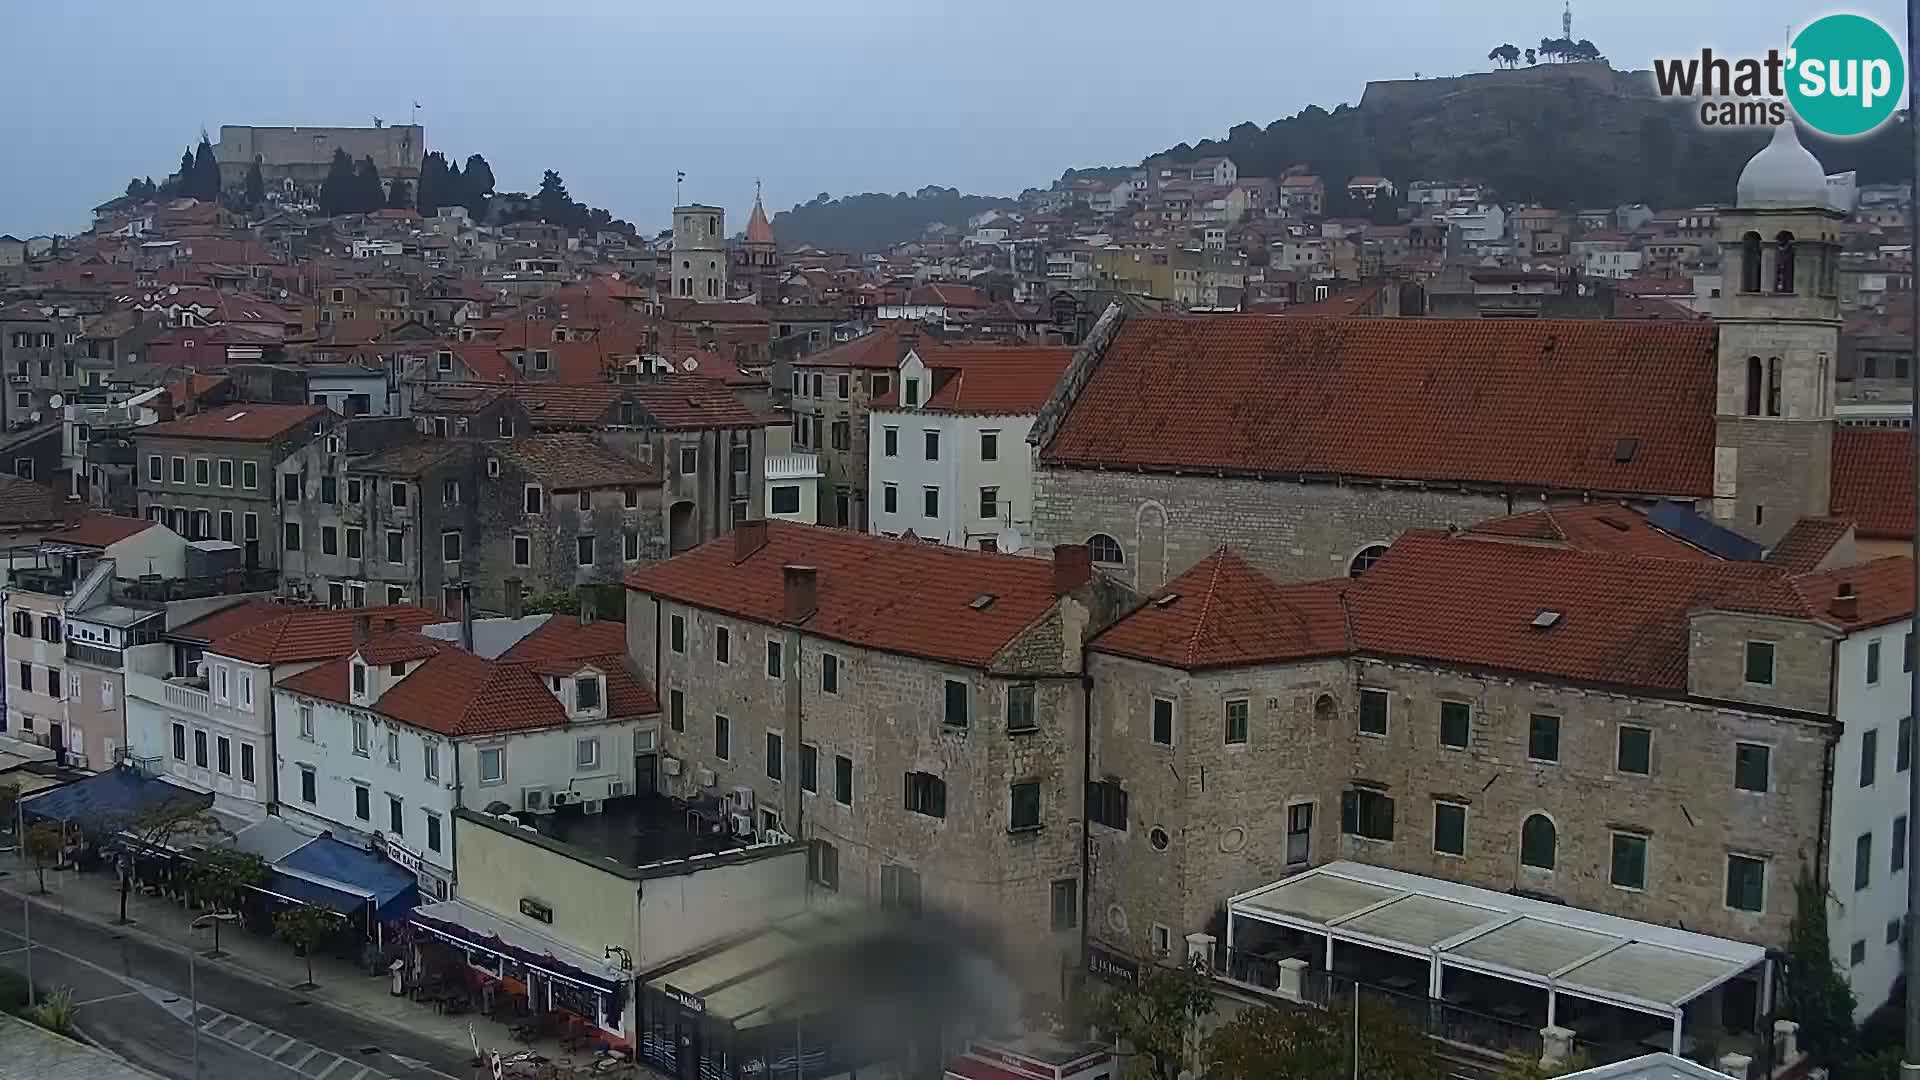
{"x":801,"y":588}
{"x":362,"y":628}
{"x":465,"y":592}
{"x":1846,"y":603}
{"x":513,"y":602}
{"x":748,"y":538}
{"x":589,"y":605}
{"x":1072,"y":567}
{"x":232,"y":581}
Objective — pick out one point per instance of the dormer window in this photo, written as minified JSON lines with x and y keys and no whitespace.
{"x":359,"y":679}
{"x":586,"y":693}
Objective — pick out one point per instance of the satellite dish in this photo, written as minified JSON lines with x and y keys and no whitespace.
{"x":56,"y":401}
{"x":1009,"y":540}
{"x":690,"y":364}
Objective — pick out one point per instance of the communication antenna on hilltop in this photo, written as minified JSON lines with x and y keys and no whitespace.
{"x":1566,"y":21}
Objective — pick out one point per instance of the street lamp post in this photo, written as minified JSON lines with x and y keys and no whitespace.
{"x":193,"y":981}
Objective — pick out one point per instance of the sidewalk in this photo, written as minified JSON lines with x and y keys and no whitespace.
{"x":95,"y":898}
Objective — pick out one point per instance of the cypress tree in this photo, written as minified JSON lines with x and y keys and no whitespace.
{"x":336,"y":192}
{"x":256,"y":186}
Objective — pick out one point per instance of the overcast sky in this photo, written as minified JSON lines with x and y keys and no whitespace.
{"x":989,"y":96}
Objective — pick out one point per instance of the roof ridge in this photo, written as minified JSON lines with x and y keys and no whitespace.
{"x":1220,"y":556}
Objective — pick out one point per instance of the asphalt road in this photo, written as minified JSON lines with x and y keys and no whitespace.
{"x":133,"y":1000}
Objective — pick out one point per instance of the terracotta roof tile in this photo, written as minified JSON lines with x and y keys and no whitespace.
{"x":245,"y":421}
{"x":680,"y":402}
{"x":556,"y":404}
{"x":996,"y":379}
{"x":307,"y":634}
{"x":568,"y":461}
{"x":411,"y":459}
{"x":230,"y":620}
{"x":860,"y":601}
{"x":882,"y":349}
{"x":23,"y":502}
{"x":1884,"y":588}
{"x":1523,"y":403}
{"x":947,"y":294}
{"x":1622,"y":530}
{"x":1808,"y":543}
{"x":1873,"y":481}
{"x":1225,"y":613}
{"x":100,"y":530}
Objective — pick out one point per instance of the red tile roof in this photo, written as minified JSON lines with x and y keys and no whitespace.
{"x":191,"y":389}
{"x":860,"y":598}
{"x":306,"y":634}
{"x":1873,"y":481}
{"x":244,"y":421}
{"x":100,"y":530}
{"x":24,"y":503}
{"x":555,"y":404}
{"x":1622,"y":530}
{"x":947,"y":294}
{"x":1884,"y":588}
{"x":455,"y":693}
{"x":684,"y":402}
{"x":881,"y":349}
{"x":723,"y":312}
{"x":1536,"y":404}
{"x":994,"y":379}
{"x":568,"y":461}
{"x":1360,"y":300}
{"x":1808,"y":543}
{"x":1224,"y":613}
{"x":230,"y":620}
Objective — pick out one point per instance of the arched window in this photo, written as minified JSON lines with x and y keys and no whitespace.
{"x":1754,"y":386}
{"x":1783,"y":263}
{"x":1537,"y":842}
{"x":1365,"y":559}
{"x":1750,"y":262}
{"x":1773,"y":386}
{"x":1105,"y":549}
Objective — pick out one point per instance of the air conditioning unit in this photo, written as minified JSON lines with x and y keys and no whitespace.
{"x":742,"y":825}
{"x":740,"y":800}
{"x":775,"y":836}
{"x":670,"y":766}
{"x":534,"y":799}
{"x":616,"y":789}
{"x":564,"y":798}
{"x":590,"y":806}
{"x":20,"y":379}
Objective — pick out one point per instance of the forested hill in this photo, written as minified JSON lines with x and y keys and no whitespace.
{"x":874,"y":222}
{"x":1564,"y":135}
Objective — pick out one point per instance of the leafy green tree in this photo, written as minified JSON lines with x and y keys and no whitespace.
{"x":565,"y":602}
{"x":161,"y":827}
{"x":255,"y":190}
{"x":9,"y":806}
{"x":1308,"y":1044}
{"x":336,"y":191}
{"x":220,"y":877}
{"x":206,"y":173}
{"x":1155,"y":1017}
{"x":306,"y":928}
{"x":1818,"y":997}
{"x":45,"y":842}
{"x":399,"y":195}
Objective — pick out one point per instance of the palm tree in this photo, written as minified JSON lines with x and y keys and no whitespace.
{"x":1510,"y":54}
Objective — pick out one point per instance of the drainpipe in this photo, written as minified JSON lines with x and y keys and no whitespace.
{"x":1086,"y":807}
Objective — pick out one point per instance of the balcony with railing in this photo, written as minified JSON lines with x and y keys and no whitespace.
{"x":95,"y":655}
{"x":177,"y":693}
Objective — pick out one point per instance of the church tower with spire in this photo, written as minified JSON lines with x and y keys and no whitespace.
{"x":756,"y":259}
{"x":1779,"y":338}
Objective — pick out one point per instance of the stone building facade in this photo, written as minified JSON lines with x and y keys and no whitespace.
{"x":699,"y":259}
{"x":216,"y":475}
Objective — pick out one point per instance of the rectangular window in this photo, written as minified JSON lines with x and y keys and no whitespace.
{"x":450,"y":547}
{"x":776,"y":756}
{"x":179,"y":470}
{"x":1162,"y":721}
{"x":1629,"y":869}
{"x":1065,"y":902}
{"x":355,"y":490}
{"x":926,"y":794}
{"x":329,"y":490}
{"x":1023,"y":806}
{"x":362,"y":736}
{"x":246,"y":763}
{"x":1456,"y":724}
{"x":397,"y":493}
{"x":1869,"y":755}
{"x":1634,"y":753}
{"x":393,"y":747}
{"x":722,"y":644}
{"x":583,"y":550}
{"x":493,"y":766}
{"x":677,"y":710}
{"x":784,"y":498}
{"x":307,"y":785}
{"x":1107,"y":804}
{"x":1373,"y":711}
{"x":1299,"y":834}
{"x":823,"y":864}
{"x":890,"y":441}
{"x":290,"y":487}
{"x":1873,"y":663}
{"x":989,"y":446}
{"x":396,"y":546}
{"x":202,"y":471}
{"x":989,"y":502}
{"x":250,"y":523}
{"x":1236,"y":722}
{"x":1543,"y":737}
{"x":1903,"y":750}
{"x":179,"y":741}
{"x":306,"y":721}
{"x":433,"y":831}
{"x":1746,"y":883}
{"x":223,"y":755}
{"x":1449,"y":828}
{"x":890,"y":498}
{"x":930,"y":502}
{"x":1367,"y":813}
{"x":226,"y":472}
{"x":293,"y":536}
{"x":843,"y":780}
{"x":774,"y":659}
{"x":1760,"y":663}
{"x":1751,"y":766}
{"x":430,"y":761}
{"x":959,"y":709}
{"x":200,"y":748}
{"x":1863,"y":861}
{"x":396,"y":818}
{"x":354,"y":544}
{"x":155,"y":470}
{"x":931,"y":443}
{"x":362,"y":803}
{"x":722,"y":737}
{"x":677,"y":633}
{"x":1021,"y":715}
{"x":586,"y":753}
{"x":250,"y":475}
{"x":329,"y":540}
{"x":809,"y":768}
{"x":829,"y":673}
{"x":1899,"y":844}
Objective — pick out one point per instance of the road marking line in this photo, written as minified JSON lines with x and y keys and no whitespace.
{"x":311,"y":1053}
{"x":283,"y":1046}
{"x":232,"y":1034}
{"x":108,"y":997}
{"x":337,"y":1062}
{"x":257,"y":1040}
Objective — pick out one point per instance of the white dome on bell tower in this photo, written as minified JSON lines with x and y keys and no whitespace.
{"x":1783,"y":175}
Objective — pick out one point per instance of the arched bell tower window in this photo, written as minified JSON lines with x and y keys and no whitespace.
{"x":1753,"y":386}
{"x":1783,"y":263}
{"x":1773,"y":386}
{"x":1750,"y":262}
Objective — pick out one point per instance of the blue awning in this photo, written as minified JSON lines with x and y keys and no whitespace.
{"x":110,"y":799}
{"x":340,"y":877}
